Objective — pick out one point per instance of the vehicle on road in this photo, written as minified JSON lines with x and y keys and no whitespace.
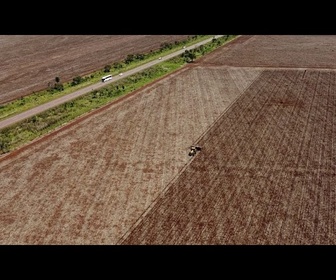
{"x":106,"y":78}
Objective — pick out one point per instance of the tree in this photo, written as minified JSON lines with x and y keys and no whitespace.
{"x":77,"y":80}
{"x":57,"y":80}
{"x":59,"y":87}
{"x":130,"y":58}
{"x":107,"y":68}
{"x":189,"y":55}
{"x":117,"y":65}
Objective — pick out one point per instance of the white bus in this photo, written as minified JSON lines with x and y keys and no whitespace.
{"x":106,"y":78}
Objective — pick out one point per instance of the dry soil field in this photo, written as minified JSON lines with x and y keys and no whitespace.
{"x":266,"y":173}
{"x":29,"y":62}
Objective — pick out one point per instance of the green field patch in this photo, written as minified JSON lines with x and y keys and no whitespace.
{"x":25,"y":131}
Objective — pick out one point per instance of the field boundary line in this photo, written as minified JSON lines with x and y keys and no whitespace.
{"x":152,"y":205}
{"x":225,"y":111}
{"x":182,"y":169}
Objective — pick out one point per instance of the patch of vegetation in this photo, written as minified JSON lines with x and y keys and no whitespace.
{"x":56,"y":89}
{"x":21,"y":133}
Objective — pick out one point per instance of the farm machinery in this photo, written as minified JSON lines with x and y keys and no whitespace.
{"x":193,"y":150}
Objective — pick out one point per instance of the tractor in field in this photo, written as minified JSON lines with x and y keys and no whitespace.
{"x":193,"y":149}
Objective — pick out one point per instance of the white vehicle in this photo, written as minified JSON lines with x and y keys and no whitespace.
{"x":106,"y":78}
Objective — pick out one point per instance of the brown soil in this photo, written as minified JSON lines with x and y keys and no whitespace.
{"x":265,"y":175}
{"x":29,"y":62}
{"x":122,"y":174}
{"x":303,"y":51}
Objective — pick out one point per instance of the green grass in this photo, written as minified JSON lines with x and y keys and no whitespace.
{"x":25,"y":103}
{"x":25,"y":131}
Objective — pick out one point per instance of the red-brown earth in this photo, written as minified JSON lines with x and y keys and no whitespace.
{"x":29,"y":63}
{"x":122,"y":175}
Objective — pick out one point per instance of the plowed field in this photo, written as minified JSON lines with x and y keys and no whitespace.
{"x":29,"y":62}
{"x":122,"y":175}
{"x":266,"y":173}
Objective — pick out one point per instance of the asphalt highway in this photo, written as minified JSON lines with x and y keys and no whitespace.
{"x":41,"y":108}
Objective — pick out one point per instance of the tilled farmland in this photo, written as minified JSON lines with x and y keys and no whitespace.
{"x":265,"y":173}
{"x":29,"y":62}
{"x":295,"y":51}
{"x":89,"y":182}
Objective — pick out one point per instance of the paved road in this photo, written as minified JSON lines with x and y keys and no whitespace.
{"x":39,"y":109}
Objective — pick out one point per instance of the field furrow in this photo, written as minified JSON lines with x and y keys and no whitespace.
{"x":263,"y":111}
{"x":259,"y":178}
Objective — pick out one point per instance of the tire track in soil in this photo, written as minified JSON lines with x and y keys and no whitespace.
{"x":212,"y":105}
{"x":181,"y":173}
{"x":240,"y":203}
{"x":83,"y":188}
